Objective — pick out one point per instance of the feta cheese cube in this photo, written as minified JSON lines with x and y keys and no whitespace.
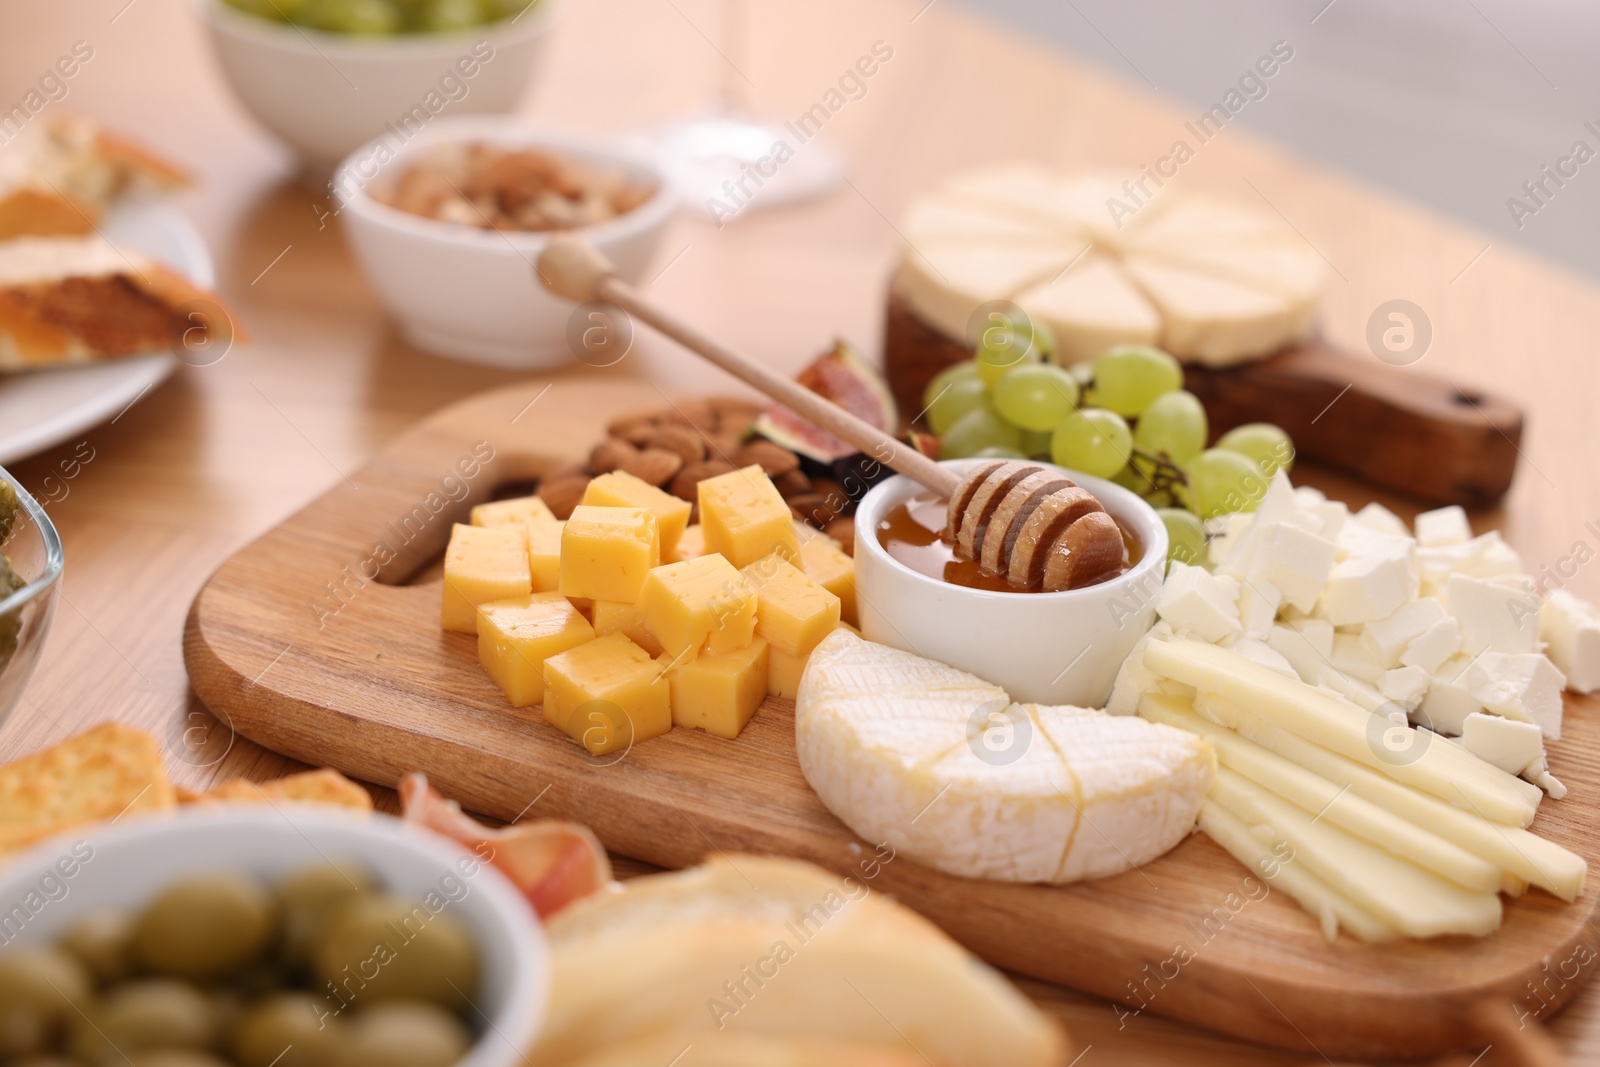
{"x":1134,"y":679}
{"x":1388,"y":637}
{"x":1307,"y":495}
{"x":1367,"y":588}
{"x":1332,"y":514}
{"x":1360,"y":541}
{"x":1484,"y":556}
{"x":1523,"y":686}
{"x":1405,"y":686}
{"x":1352,"y":658}
{"x":1258,"y":606}
{"x":1196,"y":601}
{"x":1380,"y":518}
{"x":1571,"y":628}
{"x":1512,"y":746}
{"x":1447,"y":704}
{"x":1492,"y":616}
{"x":1431,"y":648}
{"x":1445,"y":526}
{"x":1295,"y":560}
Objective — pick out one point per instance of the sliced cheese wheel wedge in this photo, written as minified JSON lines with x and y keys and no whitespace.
{"x":1214,"y":282}
{"x":948,"y":281}
{"x":1208,"y":319}
{"x":942,"y":767}
{"x":1091,"y":307}
{"x":1296,"y":272}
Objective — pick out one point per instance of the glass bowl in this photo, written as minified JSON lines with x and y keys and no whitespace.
{"x":34,"y":548}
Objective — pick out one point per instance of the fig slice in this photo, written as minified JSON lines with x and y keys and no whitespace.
{"x":1090,"y":551}
{"x":975,"y":519}
{"x":1049,"y":520}
{"x":963,"y":497}
{"x":1000,"y":537}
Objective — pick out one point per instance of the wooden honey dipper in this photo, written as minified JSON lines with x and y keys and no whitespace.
{"x":1020,"y":520}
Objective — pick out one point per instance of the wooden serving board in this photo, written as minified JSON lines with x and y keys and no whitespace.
{"x":302,"y":654}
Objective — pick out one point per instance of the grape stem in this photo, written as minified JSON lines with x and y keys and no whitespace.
{"x":1162,"y":475}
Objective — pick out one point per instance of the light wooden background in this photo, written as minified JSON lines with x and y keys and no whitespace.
{"x":219,"y":454}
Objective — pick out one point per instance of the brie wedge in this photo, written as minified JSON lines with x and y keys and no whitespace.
{"x":942,"y":767}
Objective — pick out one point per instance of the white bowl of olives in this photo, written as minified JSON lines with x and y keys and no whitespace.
{"x":266,"y":935}
{"x":343,"y":72}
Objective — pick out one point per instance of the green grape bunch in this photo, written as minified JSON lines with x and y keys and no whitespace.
{"x":378,"y":18}
{"x":1123,"y":416}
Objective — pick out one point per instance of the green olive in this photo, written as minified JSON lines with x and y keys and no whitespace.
{"x":149,"y":1013}
{"x":380,"y":947}
{"x":289,"y":1029}
{"x":103,"y":940}
{"x":206,"y":925}
{"x":40,"y":989}
{"x":306,"y":899}
{"x":404,"y":1033}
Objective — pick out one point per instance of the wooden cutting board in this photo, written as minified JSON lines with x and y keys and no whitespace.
{"x":301,"y":653}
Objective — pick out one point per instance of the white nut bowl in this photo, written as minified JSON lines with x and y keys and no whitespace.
{"x":471,"y":294}
{"x":129,"y":864}
{"x":1042,"y":648}
{"x":326,"y":93}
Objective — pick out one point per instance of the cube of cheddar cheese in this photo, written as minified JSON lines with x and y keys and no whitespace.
{"x":606,"y":552}
{"x":702,"y":605}
{"x":784,"y":671}
{"x":514,"y":512}
{"x":827,"y":564}
{"x":482,"y":563}
{"x":690,"y":545}
{"x":607,"y":695}
{"x":615,"y":617}
{"x":744,"y":517}
{"x":516,"y":636}
{"x":619,"y":489}
{"x":720,"y":694}
{"x":793,"y":612}
{"x":544,"y":554}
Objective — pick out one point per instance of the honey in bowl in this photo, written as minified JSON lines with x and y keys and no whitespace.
{"x":913,"y":534}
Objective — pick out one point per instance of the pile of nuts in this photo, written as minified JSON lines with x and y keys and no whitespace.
{"x":489,"y":187}
{"x":680,"y":446}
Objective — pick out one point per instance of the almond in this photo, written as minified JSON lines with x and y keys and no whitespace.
{"x":814,"y":508}
{"x":687,"y":443}
{"x":654,"y":465}
{"x":564,"y":493}
{"x":628,"y":423}
{"x":792,"y":483}
{"x":686,"y":486}
{"x":772,"y":458}
{"x":696,"y":414}
{"x":611,"y":454}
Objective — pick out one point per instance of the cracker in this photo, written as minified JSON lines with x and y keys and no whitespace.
{"x":326,"y":786}
{"x":102,"y":773}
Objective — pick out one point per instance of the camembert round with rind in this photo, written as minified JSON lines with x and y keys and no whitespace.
{"x":900,"y":748}
{"x":1210,"y":282}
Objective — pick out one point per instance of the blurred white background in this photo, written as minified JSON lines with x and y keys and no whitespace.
{"x":1452,"y":103}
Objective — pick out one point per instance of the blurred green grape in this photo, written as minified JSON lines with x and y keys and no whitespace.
{"x":1222,"y":482}
{"x":1128,"y":378}
{"x":1035,"y":396}
{"x":1186,"y":535}
{"x":977,"y":430}
{"x":954,"y":400}
{"x":1094,"y":441}
{"x":1174,"y":425}
{"x":1267,"y":446}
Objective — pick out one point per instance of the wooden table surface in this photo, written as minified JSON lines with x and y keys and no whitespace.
{"x":218,"y":454}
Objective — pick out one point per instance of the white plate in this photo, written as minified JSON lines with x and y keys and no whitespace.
{"x":39,"y":409}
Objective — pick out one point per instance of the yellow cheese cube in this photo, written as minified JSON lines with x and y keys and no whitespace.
{"x":743,"y":516}
{"x":619,"y":489}
{"x":719,"y":694}
{"x":482,"y":563}
{"x":516,"y":636}
{"x":544,"y":554}
{"x":607,"y":695}
{"x":690,"y":545}
{"x":794,"y":612}
{"x":783,"y":673}
{"x":513,"y":512}
{"x":699,"y":605}
{"x":606,"y":552}
{"x":826,"y":564}
{"x":615,"y":617}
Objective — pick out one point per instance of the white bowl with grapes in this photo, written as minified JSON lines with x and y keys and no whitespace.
{"x":327,"y":76}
